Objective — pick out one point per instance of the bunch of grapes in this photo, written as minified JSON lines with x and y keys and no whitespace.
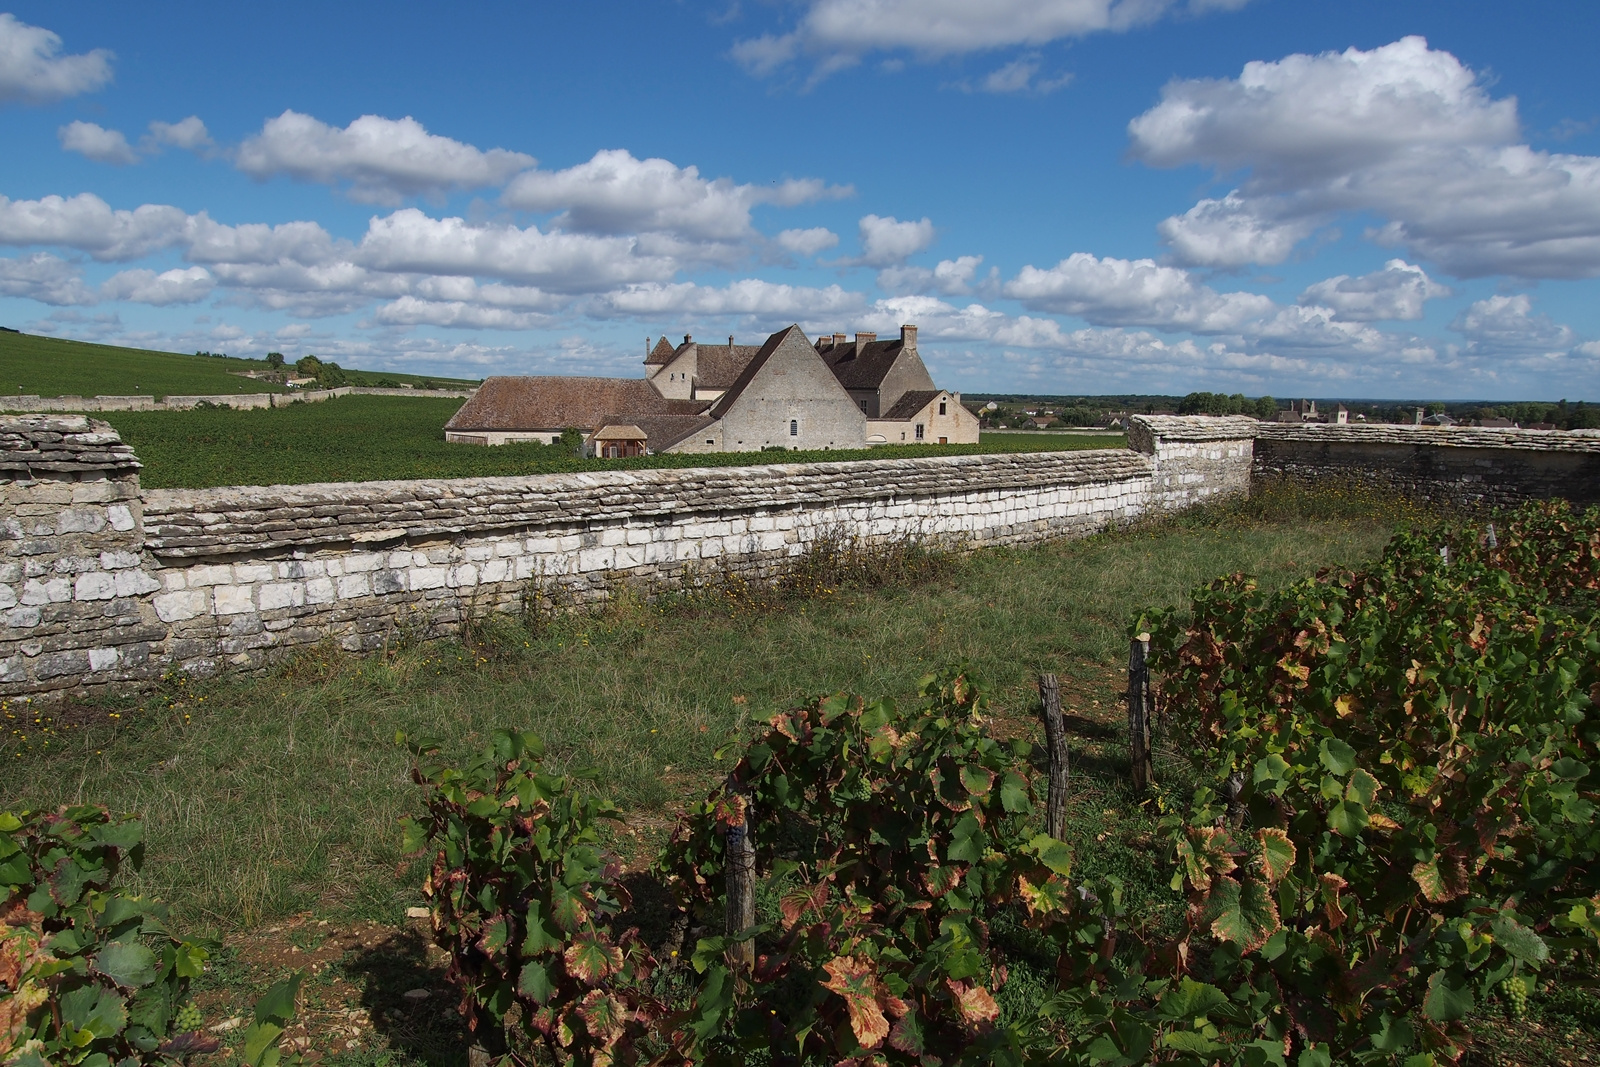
{"x":1516,"y":991}
{"x":188,"y":1019}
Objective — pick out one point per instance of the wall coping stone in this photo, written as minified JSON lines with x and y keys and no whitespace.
{"x":1433,"y":436}
{"x":62,"y":444}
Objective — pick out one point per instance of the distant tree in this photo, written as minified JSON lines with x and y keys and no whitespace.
{"x":571,"y":441}
{"x":1583,"y":417}
{"x":427,"y":383}
{"x":331,"y":375}
{"x":275,"y":360}
{"x":308,"y":367}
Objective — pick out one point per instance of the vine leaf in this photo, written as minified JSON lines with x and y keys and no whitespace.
{"x":1244,"y":913}
{"x":1277,"y":853}
{"x":856,"y":980}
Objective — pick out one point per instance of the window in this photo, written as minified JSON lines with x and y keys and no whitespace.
{"x":863,"y":404}
{"x":711,"y":441}
{"x":794,"y":427}
{"x":919,"y":431}
{"x":941,"y":407}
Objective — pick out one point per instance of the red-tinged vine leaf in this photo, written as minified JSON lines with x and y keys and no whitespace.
{"x":1363,"y":788}
{"x":977,"y":1007}
{"x":939,"y":878}
{"x":567,"y":910}
{"x":190,"y":1043}
{"x":795,"y":903}
{"x":604,"y":1016}
{"x":1346,"y":705}
{"x":1379,"y":821}
{"x":907,"y":1035}
{"x":1206,"y":855}
{"x":1277,"y":853}
{"x":590,"y":960}
{"x":976,"y":779}
{"x":1331,"y":884}
{"x":954,"y":799}
{"x":855,"y":978}
{"x":1052,"y":896}
{"x":730,"y":810}
{"x":544,"y":1020}
{"x":1243,"y":912}
{"x":882,"y":742}
{"x":1440,"y":879}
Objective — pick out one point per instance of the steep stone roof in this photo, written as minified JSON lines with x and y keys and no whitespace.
{"x":861,"y":366}
{"x":910,"y":402}
{"x":660,"y":355}
{"x":719,"y":366}
{"x":747,"y":375}
{"x":509,"y":403}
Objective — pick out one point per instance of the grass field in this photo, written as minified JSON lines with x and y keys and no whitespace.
{"x":360,"y":438}
{"x":50,"y":366}
{"x":272,"y":800}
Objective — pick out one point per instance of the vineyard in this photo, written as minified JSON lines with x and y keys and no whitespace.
{"x":369,"y":438}
{"x":1370,"y":838}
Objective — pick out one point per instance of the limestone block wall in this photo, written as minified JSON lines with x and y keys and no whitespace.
{"x":103,"y":584}
{"x":75,"y":586}
{"x":1457,"y":464}
{"x":174,"y":402}
{"x":246,"y":572}
{"x":1196,"y":457}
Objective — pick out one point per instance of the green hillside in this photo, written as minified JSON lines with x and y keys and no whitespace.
{"x":50,"y":366}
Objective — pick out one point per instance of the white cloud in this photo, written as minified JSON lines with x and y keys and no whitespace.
{"x":1019,"y":76}
{"x":1402,"y":131}
{"x":87,"y":223}
{"x":184,"y":286}
{"x":767,"y":301}
{"x":411,"y":241}
{"x":45,"y":278}
{"x":1398,"y":291}
{"x":1507,"y":325}
{"x":96,"y":143}
{"x":886,"y":240}
{"x":33,"y":71}
{"x":808,"y":242}
{"x":1140,"y":292}
{"x":839,"y":32}
{"x":615,"y":193}
{"x":952,"y":277}
{"x":189,"y":133}
{"x":1232,"y":232}
{"x":411,"y":311}
{"x":384,"y":160}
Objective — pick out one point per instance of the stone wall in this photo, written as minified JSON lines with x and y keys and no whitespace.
{"x":174,"y":402}
{"x":75,"y":585}
{"x":1197,"y":457}
{"x":1460,"y":465}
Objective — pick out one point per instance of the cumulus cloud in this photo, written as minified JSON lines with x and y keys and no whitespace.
{"x":886,"y":240}
{"x":836,"y":33}
{"x":45,"y":278}
{"x":32,"y":70}
{"x":808,"y":242}
{"x":1507,"y":324}
{"x":190,"y":134}
{"x":96,"y":143}
{"x":178,"y":286}
{"x":1398,"y":291}
{"x":1122,"y":292}
{"x":952,"y":277}
{"x":752,"y":297}
{"x":88,"y":224}
{"x":1403,"y":132}
{"x":459,"y":314}
{"x":382,"y":160}
{"x":615,"y":193}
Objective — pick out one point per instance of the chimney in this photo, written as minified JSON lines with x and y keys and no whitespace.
{"x":687,"y":339}
{"x":730,"y":340}
{"x":864,"y":338}
{"x":908,"y":337}
{"x":839,"y":339}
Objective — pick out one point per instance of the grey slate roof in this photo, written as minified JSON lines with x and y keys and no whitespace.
{"x":861,"y":366}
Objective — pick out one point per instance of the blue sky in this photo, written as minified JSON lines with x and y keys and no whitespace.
{"x":1354,"y":199}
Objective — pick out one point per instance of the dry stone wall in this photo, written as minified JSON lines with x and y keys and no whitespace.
{"x":103,"y":585}
{"x":175,"y":402}
{"x":1461,"y":465}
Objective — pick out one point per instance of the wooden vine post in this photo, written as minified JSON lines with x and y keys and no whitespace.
{"x":1144,"y":772}
{"x":740,"y":867}
{"x":1055,"y":736}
